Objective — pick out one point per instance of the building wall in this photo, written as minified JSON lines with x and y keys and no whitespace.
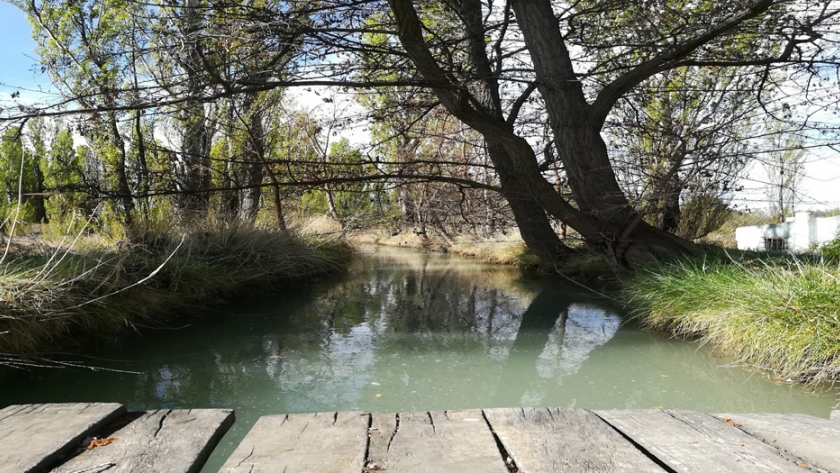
{"x":800,"y":233}
{"x":827,"y":228}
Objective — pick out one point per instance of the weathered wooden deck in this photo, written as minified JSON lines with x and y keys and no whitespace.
{"x":61,"y":438}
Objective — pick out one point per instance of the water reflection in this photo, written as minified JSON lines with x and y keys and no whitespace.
{"x":410,"y":331}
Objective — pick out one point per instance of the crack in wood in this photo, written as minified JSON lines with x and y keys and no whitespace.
{"x":394,"y":433}
{"x":432,"y":421}
{"x":366,"y":459}
{"x":302,"y":430}
{"x":509,"y":462}
{"x":639,"y":447}
{"x":335,"y":418}
{"x":160,"y":423}
{"x":96,"y":468}
{"x":246,"y":457}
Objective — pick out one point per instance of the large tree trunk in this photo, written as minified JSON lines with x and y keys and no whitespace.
{"x":534,"y":226}
{"x":619,"y":231}
{"x":601,"y":214}
{"x":195,"y":143}
{"x":195,"y":162}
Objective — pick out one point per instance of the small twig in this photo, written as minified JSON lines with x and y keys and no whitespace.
{"x":106,"y":466}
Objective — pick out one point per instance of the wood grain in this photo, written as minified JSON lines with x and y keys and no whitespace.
{"x":432,"y":442}
{"x":322,"y":442}
{"x":163,"y":441}
{"x":691,"y":442}
{"x":574,"y":440}
{"x":33,"y":437}
{"x":813,"y":441}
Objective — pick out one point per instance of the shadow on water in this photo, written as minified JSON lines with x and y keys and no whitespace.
{"x":406,"y":330}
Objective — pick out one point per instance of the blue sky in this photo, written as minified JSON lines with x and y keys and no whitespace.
{"x":16,"y":57}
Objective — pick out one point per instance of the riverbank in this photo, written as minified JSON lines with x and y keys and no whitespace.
{"x":75,"y":292}
{"x":779,"y":314}
{"x":509,"y":249}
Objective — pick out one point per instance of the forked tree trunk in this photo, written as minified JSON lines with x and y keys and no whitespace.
{"x":617,"y":230}
{"x":601,"y":214}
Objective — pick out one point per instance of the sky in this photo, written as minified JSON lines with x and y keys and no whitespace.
{"x":18,"y":72}
{"x":820,"y":189}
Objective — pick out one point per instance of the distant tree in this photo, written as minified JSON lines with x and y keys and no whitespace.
{"x":64,"y":181}
{"x":21,"y":180}
{"x":784,"y":163}
{"x":681,"y":143}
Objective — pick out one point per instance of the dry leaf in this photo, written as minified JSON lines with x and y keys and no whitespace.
{"x":99,"y":443}
{"x":727,"y":420}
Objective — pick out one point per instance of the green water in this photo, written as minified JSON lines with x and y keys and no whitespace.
{"x":411,"y":331}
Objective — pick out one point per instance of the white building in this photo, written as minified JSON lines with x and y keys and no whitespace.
{"x":797,"y":234}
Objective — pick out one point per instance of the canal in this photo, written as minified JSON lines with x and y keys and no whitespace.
{"x":408,"y":331}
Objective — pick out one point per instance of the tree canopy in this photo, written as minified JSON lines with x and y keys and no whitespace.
{"x":538,"y":80}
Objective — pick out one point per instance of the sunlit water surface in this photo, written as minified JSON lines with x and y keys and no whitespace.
{"x":412,"y":331}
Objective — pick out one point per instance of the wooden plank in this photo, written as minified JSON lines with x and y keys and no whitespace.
{"x":433,"y":442}
{"x":689,"y":441}
{"x":34,"y":436}
{"x":163,"y":441}
{"x":574,"y":440}
{"x":812,"y":440}
{"x":322,"y":442}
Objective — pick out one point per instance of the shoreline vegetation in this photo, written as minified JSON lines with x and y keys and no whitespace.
{"x":777,"y":314}
{"x":61,"y":296}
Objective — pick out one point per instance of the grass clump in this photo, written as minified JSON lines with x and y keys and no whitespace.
{"x":781,"y":316}
{"x":97,"y":288}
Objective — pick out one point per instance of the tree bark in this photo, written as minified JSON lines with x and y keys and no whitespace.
{"x":254,"y":161}
{"x":619,"y":230}
{"x":195,"y":144}
{"x":489,"y":120}
{"x":123,"y":188}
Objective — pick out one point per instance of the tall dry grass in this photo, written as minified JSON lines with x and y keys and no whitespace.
{"x":57,"y":295}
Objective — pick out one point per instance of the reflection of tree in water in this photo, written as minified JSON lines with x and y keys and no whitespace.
{"x":420,"y":324}
{"x":557,"y":333}
{"x":421,"y":309}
